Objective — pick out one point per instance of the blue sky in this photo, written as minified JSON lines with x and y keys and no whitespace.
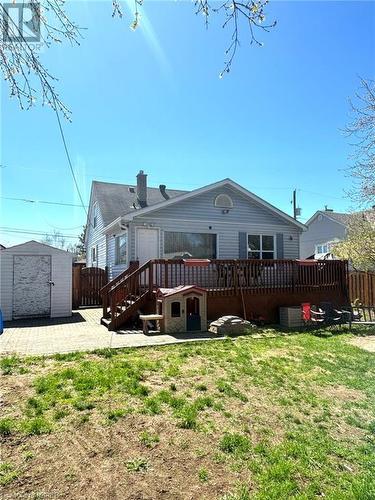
{"x":152,"y":99}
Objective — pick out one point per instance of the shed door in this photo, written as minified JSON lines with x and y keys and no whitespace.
{"x":31,"y":285}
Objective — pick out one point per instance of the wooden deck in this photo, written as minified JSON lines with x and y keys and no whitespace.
{"x":247,"y":285}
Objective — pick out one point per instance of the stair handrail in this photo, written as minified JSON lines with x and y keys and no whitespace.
{"x":104,"y":291}
{"x":112,"y":292}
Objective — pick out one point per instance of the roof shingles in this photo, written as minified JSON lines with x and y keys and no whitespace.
{"x":120,"y":199}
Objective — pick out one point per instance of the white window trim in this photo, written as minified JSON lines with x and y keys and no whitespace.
{"x":328,"y":244}
{"x":261,"y":251}
{"x":127,"y":249}
{"x":94,"y":247}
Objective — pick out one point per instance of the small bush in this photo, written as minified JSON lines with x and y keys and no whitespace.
{"x":7,"y":426}
{"x":235,"y":443}
{"x":173,"y":387}
{"x":137,"y":465}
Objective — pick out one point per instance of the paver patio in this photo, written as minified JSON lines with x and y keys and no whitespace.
{"x":81,"y":332}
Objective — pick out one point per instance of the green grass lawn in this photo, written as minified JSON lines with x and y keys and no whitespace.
{"x":271,"y":418}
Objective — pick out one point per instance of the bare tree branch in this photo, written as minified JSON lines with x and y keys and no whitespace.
{"x":251,"y":12}
{"x":29,"y":80}
{"x":362,"y":129}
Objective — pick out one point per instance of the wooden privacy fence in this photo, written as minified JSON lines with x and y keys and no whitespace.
{"x":87,"y":283}
{"x":362,"y":287}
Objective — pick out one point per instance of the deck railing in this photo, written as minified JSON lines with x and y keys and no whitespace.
{"x":226,"y":277}
{"x":222,"y":278}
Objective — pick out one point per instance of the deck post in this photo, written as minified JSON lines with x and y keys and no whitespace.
{"x":151,"y":277}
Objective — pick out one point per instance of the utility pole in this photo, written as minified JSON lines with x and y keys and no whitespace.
{"x":295,"y":204}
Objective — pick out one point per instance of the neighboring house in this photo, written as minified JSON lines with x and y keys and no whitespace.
{"x":2,"y":247}
{"x":220,"y":221}
{"x":324,"y":229}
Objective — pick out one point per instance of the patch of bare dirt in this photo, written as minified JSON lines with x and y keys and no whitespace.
{"x":91,"y":463}
{"x":341,"y":393}
{"x":366,"y":343}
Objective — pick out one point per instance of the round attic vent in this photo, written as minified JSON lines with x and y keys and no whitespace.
{"x":223,"y":201}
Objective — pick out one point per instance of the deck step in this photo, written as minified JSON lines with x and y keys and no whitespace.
{"x":105,"y":322}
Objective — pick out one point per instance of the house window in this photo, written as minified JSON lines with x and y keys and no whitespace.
{"x":260,"y":246}
{"x":223,"y":201}
{"x":323,"y":248}
{"x":121,"y":248}
{"x":189,"y":245}
{"x":94,"y":253}
{"x":95,"y":221}
{"x":176,"y":309}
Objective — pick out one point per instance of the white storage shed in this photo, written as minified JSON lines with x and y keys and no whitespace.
{"x":35,"y":281}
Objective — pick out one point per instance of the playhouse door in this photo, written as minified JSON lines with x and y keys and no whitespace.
{"x":193,"y":319}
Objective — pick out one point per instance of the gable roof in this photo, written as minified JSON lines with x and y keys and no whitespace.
{"x":340,"y":217}
{"x":37,"y":243}
{"x":118,"y":199}
{"x":184,"y":195}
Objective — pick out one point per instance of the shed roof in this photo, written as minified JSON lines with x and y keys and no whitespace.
{"x":33,"y":243}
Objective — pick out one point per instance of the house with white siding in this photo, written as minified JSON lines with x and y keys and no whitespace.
{"x":220,"y":221}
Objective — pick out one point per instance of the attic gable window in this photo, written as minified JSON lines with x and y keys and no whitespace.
{"x":223,"y":201}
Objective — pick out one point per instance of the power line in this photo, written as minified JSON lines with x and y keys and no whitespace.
{"x":11,"y":230}
{"x":26,"y":200}
{"x":69,"y":160}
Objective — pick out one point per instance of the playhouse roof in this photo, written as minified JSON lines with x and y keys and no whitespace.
{"x":183,"y":289}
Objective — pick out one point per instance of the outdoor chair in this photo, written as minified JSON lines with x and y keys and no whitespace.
{"x":311,"y":315}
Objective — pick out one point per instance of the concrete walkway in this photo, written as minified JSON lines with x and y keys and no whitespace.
{"x":81,"y":332}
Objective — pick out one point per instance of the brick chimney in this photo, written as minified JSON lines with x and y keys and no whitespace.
{"x":142,"y":189}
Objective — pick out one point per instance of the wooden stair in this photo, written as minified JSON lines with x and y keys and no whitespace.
{"x":124,"y":297}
